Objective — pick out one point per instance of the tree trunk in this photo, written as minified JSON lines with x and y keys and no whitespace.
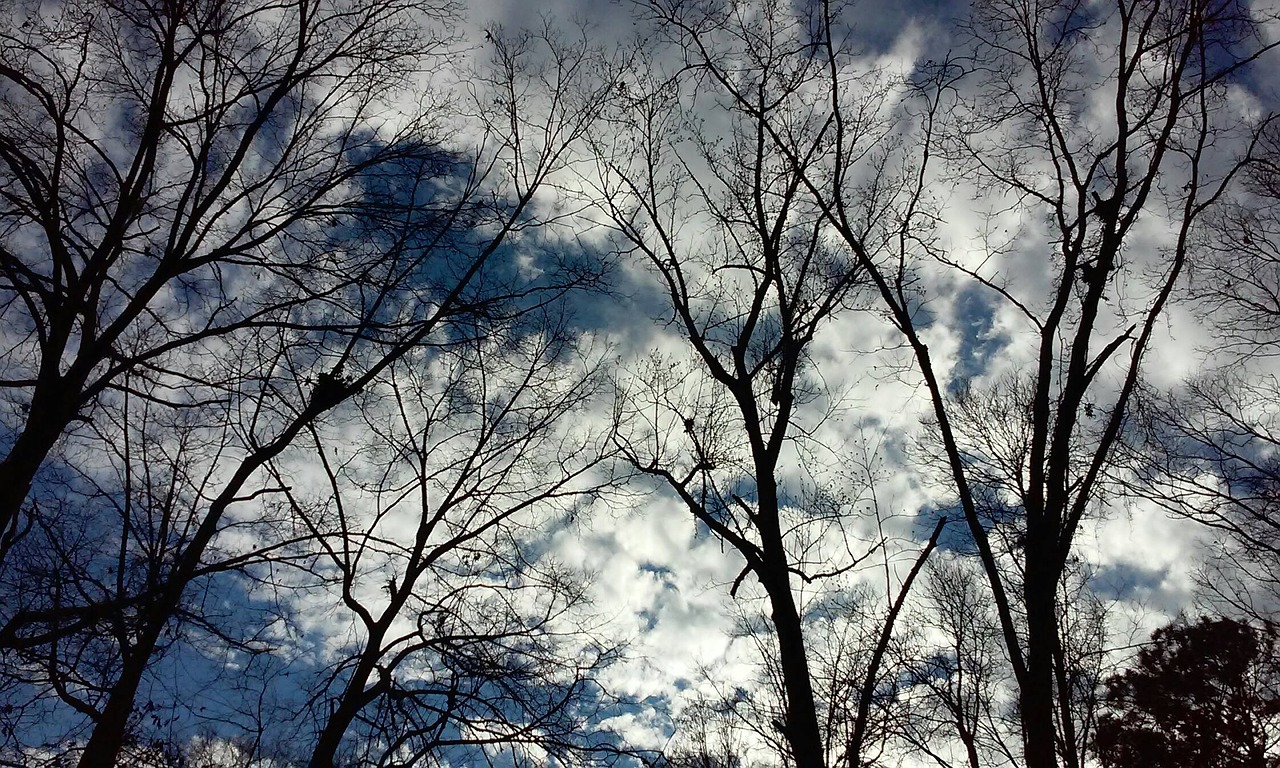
{"x":802,"y":730}
{"x":51,"y":409}
{"x":1036,"y":696}
{"x":354,"y":698}
{"x":109,"y":732}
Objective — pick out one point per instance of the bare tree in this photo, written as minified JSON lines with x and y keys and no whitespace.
{"x":220,"y":225}
{"x":1018,"y":115}
{"x":707,"y":736}
{"x":1207,"y":448}
{"x":692,"y":184}
{"x":170,"y":176}
{"x":957,"y":689}
{"x":466,"y":641}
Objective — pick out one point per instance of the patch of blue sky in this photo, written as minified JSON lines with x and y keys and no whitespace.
{"x":840,"y":603}
{"x":198,"y":686}
{"x":955,"y":536}
{"x":1245,"y":462}
{"x":742,"y":490}
{"x":647,"y":619}
{"x":1127,"y":581}
{"x":409,"y":175}
{"x":423,"y":227}
{"x":226,"y":694}
{"x":877,"y":25}
{"x":973,"y":318}
{"x":631,"y":306}
{"x":663,"y":573}
{"x":589,"y":708}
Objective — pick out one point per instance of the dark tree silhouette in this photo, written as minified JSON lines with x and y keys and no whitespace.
{"x":1202,"y":695}
{"x":739,"y":252}
{"x":221,"y":225}
{"x":1208,"y":448}
{"x":1014,"y":114}
{"x":1017,"y":115}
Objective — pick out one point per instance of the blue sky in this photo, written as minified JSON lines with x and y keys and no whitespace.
{"x":860,"y":484}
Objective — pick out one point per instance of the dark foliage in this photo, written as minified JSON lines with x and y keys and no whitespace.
{"x":1202,"y":695}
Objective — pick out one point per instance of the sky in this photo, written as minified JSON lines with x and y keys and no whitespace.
{"x":658,"y":583}
{"x":668,"y":579}
{"x":661,"y":581}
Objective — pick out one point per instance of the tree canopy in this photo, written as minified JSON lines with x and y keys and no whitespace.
{"x":1201,"y":694}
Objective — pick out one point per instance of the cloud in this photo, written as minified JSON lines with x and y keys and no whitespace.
{"x":858,"y":480}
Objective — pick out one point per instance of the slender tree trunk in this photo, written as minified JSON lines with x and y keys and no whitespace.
{"x":1070,"y":758}
{"x":52,"y":407}
{"x":354,"y":698}
{"x":802,"y":731}
{"x":109,"y":732}
{"x":17,"y":472}
{"x":1036,"y":696}
{"x":339,"y":721}
{"x":970,"y":742}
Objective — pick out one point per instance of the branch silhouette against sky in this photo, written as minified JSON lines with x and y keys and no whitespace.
{"x":662,"y":382}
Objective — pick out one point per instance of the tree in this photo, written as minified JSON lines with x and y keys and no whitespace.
{"x":1207,"y":445}
{"x":1202,"y":694}
{"x":220,"y":226}
{"x":464,"y":642}
{"x":706,"y":738}
{"x":956,"y":677}
{"x":159,"y":163}
{"x":1071,"y":171}
{"x":1076,"y":122}
{"x":750,"y":282}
